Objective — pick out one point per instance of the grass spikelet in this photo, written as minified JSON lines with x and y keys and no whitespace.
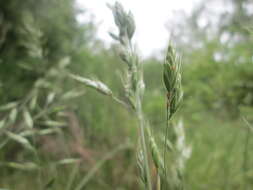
{"x":134,"y":84}
{"x":174,"y":140}
{"x":99,"y":86}
{"x":172,"y":80}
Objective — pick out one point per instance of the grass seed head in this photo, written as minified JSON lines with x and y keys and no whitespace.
{"x":172,"y":80}
{"x":125,"y":23}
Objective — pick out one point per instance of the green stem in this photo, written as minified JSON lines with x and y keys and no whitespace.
{"x":138,"y":98}
{"x":245,"y":157}
{"x":143,"y":141}
{"x":165,"y":140}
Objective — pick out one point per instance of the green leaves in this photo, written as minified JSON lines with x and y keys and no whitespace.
{"x":8,"y":106}
{"x":2,"y":123}
{"x":27,"y":166}
{"x":68,"y":161}
{"x":19,"y":139}
{"x":13,"y":115}
{"x":28,"y":119}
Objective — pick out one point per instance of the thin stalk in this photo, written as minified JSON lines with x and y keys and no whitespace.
{"x":246,"y":154}
{"x":134,"y":83}
{"x":158,"y":183}
{"x":245,"y":159}
{"x":72,"y":176}
{"x":165,"y":140}
{"x":100,"y":163}
{"x":143,"y":141}
{"x":141,"y":120}
{"x":121,"y":102}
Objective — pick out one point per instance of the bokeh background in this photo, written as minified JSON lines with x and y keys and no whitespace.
{"x":55,"y":133}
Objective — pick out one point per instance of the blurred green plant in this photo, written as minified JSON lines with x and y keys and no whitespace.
{"x":74,"y":134}
{"x":134,"y":90}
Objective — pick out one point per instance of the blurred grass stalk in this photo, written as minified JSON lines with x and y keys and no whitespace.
{"x":245,"y":164}
{"x":133,"y":81}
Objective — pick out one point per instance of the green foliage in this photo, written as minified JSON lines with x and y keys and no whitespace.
{"x":57,"y":134}
{"x":218,"y":59}
{"x":33,"y":39}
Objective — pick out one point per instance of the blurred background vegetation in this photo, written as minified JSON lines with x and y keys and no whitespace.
{"x":54,"y":131}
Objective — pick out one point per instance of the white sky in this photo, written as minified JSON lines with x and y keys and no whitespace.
{"x":150,"y":16}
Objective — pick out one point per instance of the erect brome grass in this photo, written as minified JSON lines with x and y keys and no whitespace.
{"x":174,"y":139}
{"x":171,"y":164}
{"x":169,"y":171}
{"x":134,"y":85}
